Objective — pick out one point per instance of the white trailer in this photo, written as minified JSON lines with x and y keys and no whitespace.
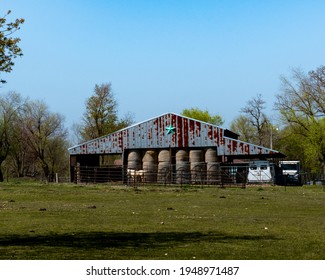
{"x":260,"y":171}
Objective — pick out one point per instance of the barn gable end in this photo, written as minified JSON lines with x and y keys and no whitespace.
{"x":171,"y":130}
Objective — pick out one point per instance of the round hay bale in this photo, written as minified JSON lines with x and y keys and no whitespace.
{"x":134,"y":156}
{"x":213,"y":172}
{"x":150,"y":156}
{"x":198,"y":172}
{"x":196,"y":155}
{"x":164,"y":172}
{"x":149,"y":165}
{"x":164,"y":156}
{"x":183,"y":175}
{"x":211,"y":155}
{"x":181,"y":156}
{"x":134,"y":160}
{"x":132,"y":164}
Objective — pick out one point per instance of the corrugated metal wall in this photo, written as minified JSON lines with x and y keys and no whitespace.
{"x":169,"y":131}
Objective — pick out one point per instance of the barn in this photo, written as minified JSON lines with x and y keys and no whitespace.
{"x":167,"y":148}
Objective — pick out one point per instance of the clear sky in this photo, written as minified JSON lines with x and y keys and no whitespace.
{"x":164,"y":55}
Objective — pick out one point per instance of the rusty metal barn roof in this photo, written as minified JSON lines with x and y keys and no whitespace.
{"x":171,"y":130}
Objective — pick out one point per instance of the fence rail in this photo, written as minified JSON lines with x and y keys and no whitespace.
{"x":173,"y":174}
{"x":223,"y":175}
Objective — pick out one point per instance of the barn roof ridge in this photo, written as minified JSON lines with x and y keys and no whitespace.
{"x":171,"y":113}
{"x":147,"y":120}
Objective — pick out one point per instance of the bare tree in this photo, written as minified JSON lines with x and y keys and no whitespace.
{"x":10,"y":105}
{"x":254,"y":112}
{"x":19,"y":157}
{"x":244,"y":128}
{"x":46,"y":136}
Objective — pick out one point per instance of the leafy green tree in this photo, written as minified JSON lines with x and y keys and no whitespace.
{"x":101,"y":116}
{"x":314,"y":147}
{"x":301,"y":104}
{"x":290,"y":143}
{"x":202,"y":115}
{"x":9,"y":48}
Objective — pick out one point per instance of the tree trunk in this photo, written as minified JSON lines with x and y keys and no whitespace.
{"x":1,"y":175}
{"x":46,"y":171}
{"x":323,"y":167}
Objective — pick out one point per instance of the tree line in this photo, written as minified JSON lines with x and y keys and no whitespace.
{"x":34,"y":141}
{"x":297,"y":127}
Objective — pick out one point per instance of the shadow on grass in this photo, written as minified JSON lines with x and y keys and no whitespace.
{"x":104,"y":240}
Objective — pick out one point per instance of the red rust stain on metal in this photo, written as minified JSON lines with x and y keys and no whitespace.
{"x":120,"y":140}
{"x":174,"y":124}
{"x":185,"y":132}
{"x":161,"y":130}
{"x":210,"y":128}
{"x":229,"y":148}
{"x":198,"y":128}
{"x":150,"y":134}
{"x":113,"y":143}
{"x":126,"y":138}
{"x":191,"y":132}
{"x":234,"y":145}
{"x":162,"y":126}
{"x":156,"y":129}
{"x":173,"y":120}
{"x":216,"y":135}
{"x":220,"y":136}
{"x":155,"y":122}
{"x":179,"y":131}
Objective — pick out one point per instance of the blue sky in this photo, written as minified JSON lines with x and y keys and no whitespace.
{"x":163,"y":56}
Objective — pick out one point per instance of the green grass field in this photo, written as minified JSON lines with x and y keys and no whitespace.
{"x":106,"y":222}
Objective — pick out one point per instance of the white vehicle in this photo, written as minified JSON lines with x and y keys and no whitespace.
{"x":290,"y":167}
{"x":290,"y":172}
{"x":260,"y":171}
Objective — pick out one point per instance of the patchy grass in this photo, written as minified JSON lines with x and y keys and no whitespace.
{"x":106,"y":222}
